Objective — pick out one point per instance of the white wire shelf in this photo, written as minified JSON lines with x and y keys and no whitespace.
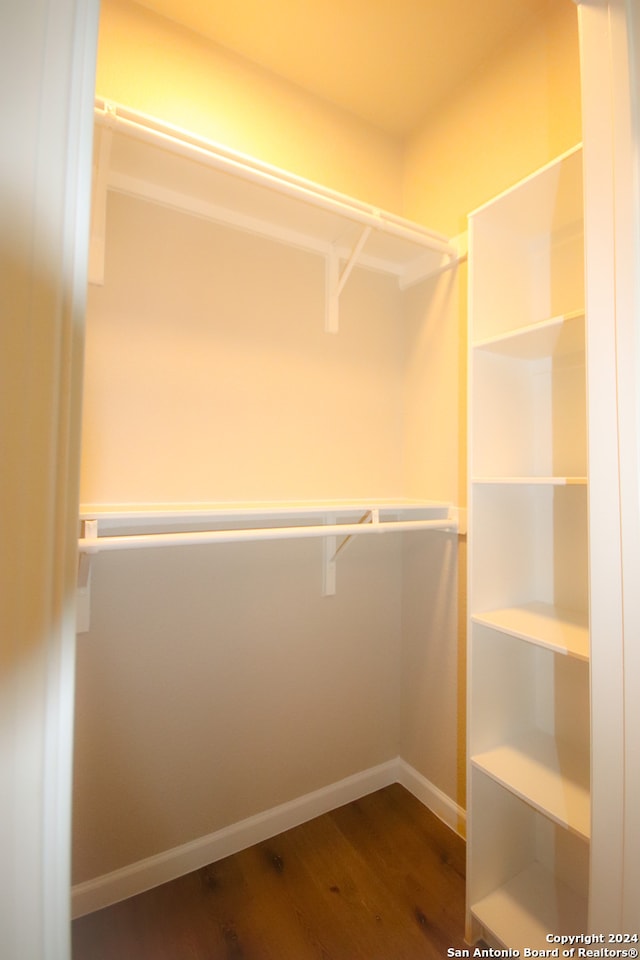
{"x":155,"y":525}
{"x":152,"y":526}
{"x":141,"y":156}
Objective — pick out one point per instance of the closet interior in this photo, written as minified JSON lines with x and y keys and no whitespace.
{"x":246,"y":453}
{"x":272,"y":586}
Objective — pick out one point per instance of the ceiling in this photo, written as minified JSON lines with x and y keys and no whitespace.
{"x":389,"y":62}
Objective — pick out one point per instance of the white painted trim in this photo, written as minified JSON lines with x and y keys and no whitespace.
{"x":625,"y":47}
{"x":145,"y":874}
{"x":602,"y":68}
{"x":432,"y":797}
{"x":47,"y":62}
{"x":151,"y":872}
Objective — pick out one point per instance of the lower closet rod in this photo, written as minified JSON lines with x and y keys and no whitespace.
{"x":150,"y":540}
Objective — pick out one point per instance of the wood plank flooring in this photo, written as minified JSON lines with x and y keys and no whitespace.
{"x":378,"y":879}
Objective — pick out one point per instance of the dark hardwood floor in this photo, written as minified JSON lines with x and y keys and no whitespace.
{"x":378,"y":879}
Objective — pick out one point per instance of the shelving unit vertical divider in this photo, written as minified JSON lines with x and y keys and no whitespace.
{"x":528,"y":805}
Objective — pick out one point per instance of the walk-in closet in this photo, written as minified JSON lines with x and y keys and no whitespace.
{"x":328,"y":342}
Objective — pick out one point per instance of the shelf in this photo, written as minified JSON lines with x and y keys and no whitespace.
{"x":527,"y":246}
{"x":558,"y":336}
{"x":531,"y":905}
{"x":559,"y":630}
{"x":228,"y":510}
{"x":152,"y":526}
{"x":550,"y":776}
{"x":146,"y":526}
{"x":128,"y":525}
{"x":547,"y":202}
{"x":143,"y":157}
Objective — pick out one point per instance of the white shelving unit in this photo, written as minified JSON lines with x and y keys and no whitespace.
{"x":528,"y":718}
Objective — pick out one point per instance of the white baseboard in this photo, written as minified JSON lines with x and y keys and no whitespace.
{"x":145,"y":874}
{"x":432,"y":797}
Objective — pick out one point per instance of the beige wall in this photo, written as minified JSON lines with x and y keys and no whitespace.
{"x":518,"y":113}
{"x":521,"y":110}
{"x":210,"y":376}
{"x":224,"y":98}
{"x":217,"y":682}
{"x":432,"y":661}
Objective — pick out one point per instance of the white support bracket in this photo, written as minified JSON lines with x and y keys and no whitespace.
{"x":459,"y":516}
{"x":335,"y":280}
{"x":83,"y":591}
{"x":331,"y":548}
{"x":99,"y":202}
{"x":371,"y":516}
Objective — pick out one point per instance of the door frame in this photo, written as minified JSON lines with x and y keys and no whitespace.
{"x":48,"y":60}
{"x":609,"y":45}
{"x":47,"y":72}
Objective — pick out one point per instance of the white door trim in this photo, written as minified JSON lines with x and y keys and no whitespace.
{"x":47,"y":76}
{"x":609,"y":34}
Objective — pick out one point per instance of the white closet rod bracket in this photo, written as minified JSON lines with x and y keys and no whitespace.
{"x":336,"y":280}
{"x":459,"y":515}
{"x":371,"y":516}
{"x":351,"y":262}
{"x":99,"y":200}
{"x":329,"y":550}
{"x":83,"y":591}
{"x":332,"y":277}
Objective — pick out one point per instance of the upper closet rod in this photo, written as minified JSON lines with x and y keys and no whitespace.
{"x":214,"y":155}
{"x":96,"y":544}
